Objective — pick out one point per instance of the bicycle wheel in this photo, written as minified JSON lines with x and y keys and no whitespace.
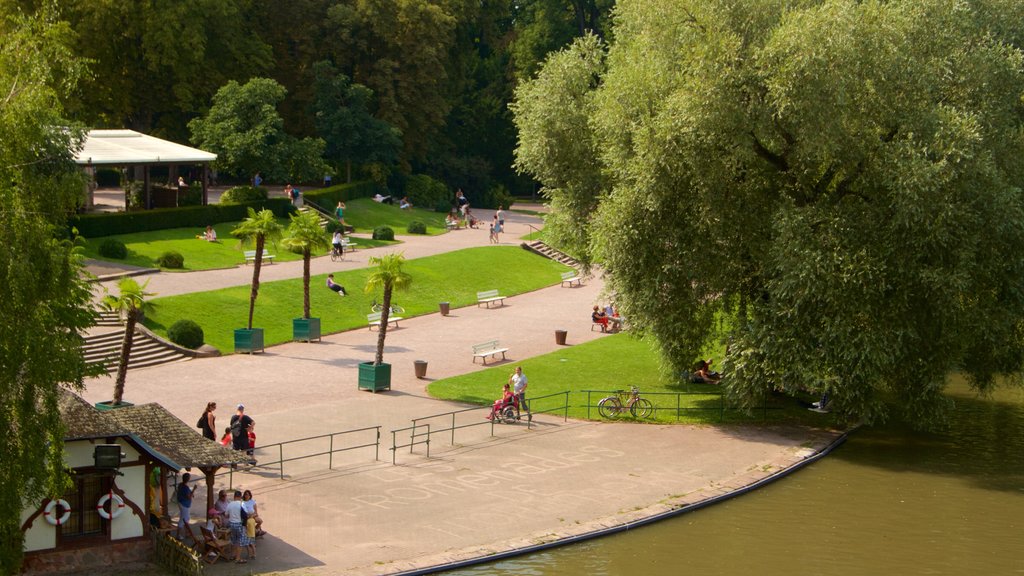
{"x":376,"y":307}
{"x":642,"y":408}
{"x":396,"y":309}
{"x":609,"y":407}
{"x":335,"y":256}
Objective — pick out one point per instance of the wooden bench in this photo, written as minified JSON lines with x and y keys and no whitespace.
{"x":347,"y":245}
{"x":485,"y":349}
{"x":374,"y":320}
{"x":489,"y":296}
{"x":250,"y":256}
{"x":570,"y":277}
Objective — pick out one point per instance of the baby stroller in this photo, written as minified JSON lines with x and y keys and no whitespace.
{"x":505,"y":410}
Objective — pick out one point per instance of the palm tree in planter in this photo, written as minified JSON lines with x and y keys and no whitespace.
{"x":257,"y":229}
{"x":131,"y":306}
{"x":388,"y":276}
{"x":305,"y":236}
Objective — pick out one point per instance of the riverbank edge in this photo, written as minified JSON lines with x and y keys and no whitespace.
{"x":630,"y":525}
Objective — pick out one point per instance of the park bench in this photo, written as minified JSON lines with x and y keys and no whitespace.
{"x":570,"y":277}
{"x":449,"y":225}
{"x":374,"y":320}
{"x":348,"y":245}
{"x":489,"y":296}
{"x":250,"y":256}
{"x":489,"y":348}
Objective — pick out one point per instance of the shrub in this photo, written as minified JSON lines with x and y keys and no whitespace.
{"x":423,"y":190}
{"x":113,"y":248}
{"x":171,"y":260}
{"x":444,"y":206}
{"x":191,"y":196}
{"x":334,"y":226}
{"x":383,"y":233}
{"x":186,"y":333}
{"x":241,"y":194}
{"x":329,"y":197}
{"x":417,"y":227}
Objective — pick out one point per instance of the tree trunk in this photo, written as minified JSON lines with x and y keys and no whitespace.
{"x":348,"y":171}
{"x":305,"y":282}
{"x":256,"y":264}
{"x":122,"y":364}
{"x":384,"y":314}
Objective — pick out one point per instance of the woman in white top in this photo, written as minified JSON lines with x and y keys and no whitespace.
{"x":253,"y":511}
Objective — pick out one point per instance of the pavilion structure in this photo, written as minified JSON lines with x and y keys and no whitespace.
{"x":131,"y":149}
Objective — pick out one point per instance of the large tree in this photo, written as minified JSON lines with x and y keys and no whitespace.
{"x":247,"y":133}
{"x":830,"y":187}
{"x":44,"y":307}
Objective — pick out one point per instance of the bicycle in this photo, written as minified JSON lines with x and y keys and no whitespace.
{"x":612,"y":406}
{"x":395,"y":308}
{"x":337,"y":253}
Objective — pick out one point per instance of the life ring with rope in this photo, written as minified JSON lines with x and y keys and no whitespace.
{"x":51,"y":517}
{"x":116,"y":506}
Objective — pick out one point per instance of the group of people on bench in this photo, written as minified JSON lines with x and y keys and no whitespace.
{"x":608,"y":318}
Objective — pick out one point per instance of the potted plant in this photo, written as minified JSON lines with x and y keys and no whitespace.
{"x":304,"y":236}
{"x":257,"y":229}
{"x":388,"y":277}
{"x":131,"y":306}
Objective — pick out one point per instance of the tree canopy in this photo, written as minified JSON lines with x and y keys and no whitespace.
{"x":44,"y":308}
{"x":830,"y":188}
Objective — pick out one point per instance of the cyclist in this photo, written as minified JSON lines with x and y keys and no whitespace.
{"x":337,"y":241}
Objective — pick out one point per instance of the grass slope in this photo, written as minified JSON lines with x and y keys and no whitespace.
{"x":365,"y":215}
{"x":609,"y":363}
{"x":435,"y":279}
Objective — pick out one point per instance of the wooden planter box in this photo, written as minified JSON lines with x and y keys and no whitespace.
{"x":107,"y":405}
{"x":306,"y":329}
{"x":249,"y":340}
{"x":374,"y":378}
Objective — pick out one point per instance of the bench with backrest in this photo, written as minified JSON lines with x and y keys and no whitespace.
{"x":490,"y":348}
{"x":489,"y":296}
{"x":250,"y":256}
{"x":348,"y":245}
{"x":570,"y":277}
{"x":373,"y":319}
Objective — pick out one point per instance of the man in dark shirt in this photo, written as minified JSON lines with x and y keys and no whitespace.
{"x":240,"y":425}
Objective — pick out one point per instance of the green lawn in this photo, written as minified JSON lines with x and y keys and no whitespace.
{"x":365,"y":215}
{"x":436,"y":279}
{"x":610,"y":363}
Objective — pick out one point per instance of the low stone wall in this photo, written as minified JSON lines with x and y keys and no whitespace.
{"x":92,"y":558}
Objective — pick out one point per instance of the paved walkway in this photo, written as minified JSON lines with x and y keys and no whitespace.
{"x":482,"y":495}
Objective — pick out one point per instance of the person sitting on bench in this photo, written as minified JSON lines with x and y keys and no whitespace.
{"x":336,"y":287}
{"x":599,"y":317}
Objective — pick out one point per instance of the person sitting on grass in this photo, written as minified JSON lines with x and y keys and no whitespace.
{"x":404,"y":203}
{"x":210,"y":235}
{"x":336,"y":287}
{"x":702,"y":373}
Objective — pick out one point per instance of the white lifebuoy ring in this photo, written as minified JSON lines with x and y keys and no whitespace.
{"x":51,"y":517}
{"x":116,"y":506}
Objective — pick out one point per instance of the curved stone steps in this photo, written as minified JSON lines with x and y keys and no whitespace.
{"x":146,"y":351}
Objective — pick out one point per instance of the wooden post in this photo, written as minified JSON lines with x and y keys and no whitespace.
{"x":206,"y":188}
{"x":210,"y":479}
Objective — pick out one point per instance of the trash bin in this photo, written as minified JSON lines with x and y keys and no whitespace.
{"x":421,"y":368}
{"x":444,"y":308}
{"x":560,"y":337}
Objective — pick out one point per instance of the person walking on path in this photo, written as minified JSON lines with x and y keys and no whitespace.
{"x":241,"y":423}
{"x":208,"y":421}
{"x":518,"y":381}
{"x":185,"y":494}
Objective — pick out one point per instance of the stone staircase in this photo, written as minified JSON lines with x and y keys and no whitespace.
{"x":539,"y":247}
{"x":108,"y":318}
{"x":323,"y":217}
{"x":146,"y":351}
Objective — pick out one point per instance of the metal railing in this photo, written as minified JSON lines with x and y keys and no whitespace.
{"x":679,"y":407}
{"x":331,"y":450}
{"x":318,"y":208}
{"x":564,"y":408}
{"x":413,"y":435}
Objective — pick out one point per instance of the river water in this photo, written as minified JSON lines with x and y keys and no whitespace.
{"x":888,"y":501}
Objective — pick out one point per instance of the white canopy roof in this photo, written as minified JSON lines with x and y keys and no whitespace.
{"x":124,"y":147}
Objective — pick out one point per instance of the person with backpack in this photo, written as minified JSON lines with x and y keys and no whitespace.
{"x":241,"y":424}
{"x":208,"y":422}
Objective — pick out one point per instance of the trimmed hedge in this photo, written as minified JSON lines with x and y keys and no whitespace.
{"x":328,"y":198}
{"x":186,"y":333}
{"x":383,"y":233}
{"x":110,"y":223}
{"x":171,"y":259}
{"x":113,"y":248}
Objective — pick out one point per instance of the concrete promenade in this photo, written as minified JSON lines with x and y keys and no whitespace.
{"x":481,"y":495}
